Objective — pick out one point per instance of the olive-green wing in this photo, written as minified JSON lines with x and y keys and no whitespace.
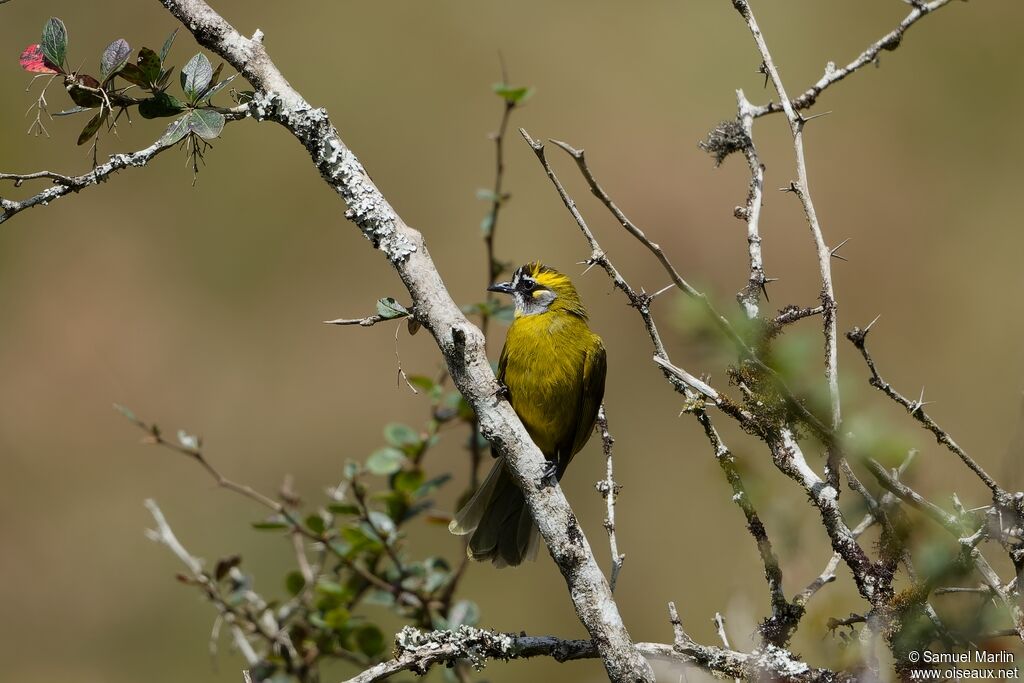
{"x":502,"y":364}
{"x":595,"y":369}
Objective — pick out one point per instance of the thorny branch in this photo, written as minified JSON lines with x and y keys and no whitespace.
{"x":802,"y":189}
{"x":890,"y":41}
{"x":610,"y":491}
{"x":459,"y":341}
{"x":463,"y":349}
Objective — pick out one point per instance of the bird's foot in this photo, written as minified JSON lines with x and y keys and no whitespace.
{"x":503,"y":393}
{"x":549,"y":477}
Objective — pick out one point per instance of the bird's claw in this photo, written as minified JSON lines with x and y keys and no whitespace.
{"x":503,"y":393}
{"x":549,"y":477}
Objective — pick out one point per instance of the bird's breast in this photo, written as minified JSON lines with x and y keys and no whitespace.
{"x":544,"y":365}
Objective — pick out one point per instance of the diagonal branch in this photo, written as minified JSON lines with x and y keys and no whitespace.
{"x":65,"y":185}
{"x":460,"y":342}
{"x":916,"y":409}
{"x":890,"y":41}
{"x":785,"y":617}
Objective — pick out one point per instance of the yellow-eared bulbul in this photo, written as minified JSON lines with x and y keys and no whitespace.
{"x":552,"y":369}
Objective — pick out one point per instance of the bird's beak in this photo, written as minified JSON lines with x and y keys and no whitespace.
{"x":501,"y":288}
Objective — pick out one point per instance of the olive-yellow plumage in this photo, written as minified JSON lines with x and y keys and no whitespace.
{"x":554,"y":369}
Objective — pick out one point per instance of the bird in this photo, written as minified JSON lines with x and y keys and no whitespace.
{"x":552,"y":370}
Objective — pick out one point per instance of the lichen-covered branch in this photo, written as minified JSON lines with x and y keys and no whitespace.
{"x":417,"y":651}
{"x":64,"y":185}
{"x":460,"y":342}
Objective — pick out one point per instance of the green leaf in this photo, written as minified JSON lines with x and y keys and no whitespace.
{"x":114,"y":57}
{"x":206,"y":123}
{"x":150,"y":64}
{"x":93,"y":126}
{"x":161,"y":105}
{"x":196,"y":75}
{"x":512,"y":94}
{"x":127,"y":412}
{"x":165,"y":78}
{"x":400,"y":435}
{"x":218,"y":87}
{"x":134,"y":75}
{"x":358,"y":539}
{"x":382,"y":523}
{"x":423,"y":382}
{"x":343,"y":508}
{"x":73,"y":110}
{"x":337,"y":619}
{"x":385,"y":461}
{"x":331,"y":588}
{"x":175,"y":132}
{"x":273,"y":522}
{"x":369,"y":640}
{"x":408,"y":481}
{"x":294,"y":583}
{"x":167,"y":45}
{"x":432,"y":485}
{"x":388,"y":308}
{"x":55,"y":42}
{"x":315,"y":523}
{"x":487,"y":225}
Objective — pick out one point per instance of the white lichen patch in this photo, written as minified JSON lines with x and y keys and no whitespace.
{"x":367,"y":207}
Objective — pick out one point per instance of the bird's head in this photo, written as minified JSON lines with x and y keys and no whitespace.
{"x":537,"y":288}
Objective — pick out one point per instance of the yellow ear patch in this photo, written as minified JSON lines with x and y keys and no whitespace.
{"x":537,"y":293}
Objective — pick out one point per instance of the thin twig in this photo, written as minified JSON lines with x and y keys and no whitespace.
{"x":65,"y":185}
{"x":749,"y":296}
{"x":609,"y":490}
{"x":720,"y":627}
{"x":833,"y":74}
{"x":859,"y":336}
{"x":802,"y":189}
{"x":785,"y":616}
{"x":165,"y":535}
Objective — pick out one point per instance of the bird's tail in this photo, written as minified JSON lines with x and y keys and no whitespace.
{"x":499,"y":521}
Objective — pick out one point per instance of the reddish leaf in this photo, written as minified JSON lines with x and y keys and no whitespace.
{"x":32,"y":59}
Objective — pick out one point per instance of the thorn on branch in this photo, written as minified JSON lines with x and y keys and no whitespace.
{"x":834,"y":252}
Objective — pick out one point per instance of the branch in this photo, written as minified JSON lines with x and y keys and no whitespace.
{"x":777,"y":628}
{"x":802,"y":190}
{"x":609,"y":490}
{"x":889,"y":41}
{"x":916,"y":409}
{"x":461,"y":343}
{"x":749,"y":296}
{"x":164,"y":535}
{"x":65,"y":185}
{"x":417,"y":651}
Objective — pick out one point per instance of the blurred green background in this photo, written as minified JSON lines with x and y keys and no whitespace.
{"x":200,"y":307}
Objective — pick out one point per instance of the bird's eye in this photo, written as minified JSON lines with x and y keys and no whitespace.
{"x":529,"y":285}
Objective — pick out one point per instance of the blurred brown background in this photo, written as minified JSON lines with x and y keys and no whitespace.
{"x":199,"y":307}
